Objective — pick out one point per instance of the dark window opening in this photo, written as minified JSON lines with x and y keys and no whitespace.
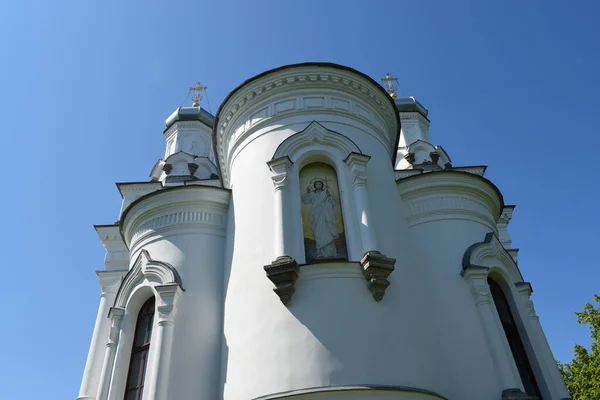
{"x":139,"y":353}
{"x":514,"y":340}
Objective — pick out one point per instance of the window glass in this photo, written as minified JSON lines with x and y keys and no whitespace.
{"x":514,"y":339}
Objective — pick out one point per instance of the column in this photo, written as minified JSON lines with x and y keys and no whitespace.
{"x":375,"y":266}
{"x":358,"y":167}
{"x":506,"y":369}
{"x":109,"y":284}
{"x":280,"y":167}
{"x":116,"y":317}
{"x":541,"y":348}
{"x":283,"y":271}
{"x":162,"y":341}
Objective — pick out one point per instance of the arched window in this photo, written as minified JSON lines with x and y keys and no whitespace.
{"x":139,"y":352}
{"x":324,"y":234}
{"x":514,"y":340}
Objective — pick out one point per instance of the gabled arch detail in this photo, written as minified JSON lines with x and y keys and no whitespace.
{"x":316,"y":133}
{"x":146,"y":268}
{"x":478,"y":255}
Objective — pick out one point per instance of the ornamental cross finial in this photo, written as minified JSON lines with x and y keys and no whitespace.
{"x":391,"y":89}
{"x":196,"y":98}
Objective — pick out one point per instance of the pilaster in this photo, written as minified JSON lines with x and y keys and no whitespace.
{"x":506,"y":370}
{"x":541,"y":349}
{"x":109,"y":285}
{"x":167,"y":299}
{"x":280,"y":168}
{"x":116,"y":318}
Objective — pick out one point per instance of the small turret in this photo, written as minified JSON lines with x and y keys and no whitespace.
{"x":189,"y":154}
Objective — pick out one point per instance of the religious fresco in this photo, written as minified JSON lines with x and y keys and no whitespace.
{"x":324,"y":237}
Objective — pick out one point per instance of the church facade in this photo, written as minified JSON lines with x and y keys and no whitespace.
{"x":310,"y":242}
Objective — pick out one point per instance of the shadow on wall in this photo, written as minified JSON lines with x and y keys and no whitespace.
{"x":228,"y":258}
{"x":351,"y":338}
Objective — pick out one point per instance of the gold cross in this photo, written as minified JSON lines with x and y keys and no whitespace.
{"x":391,"y":89}
{"x":196,"y":98}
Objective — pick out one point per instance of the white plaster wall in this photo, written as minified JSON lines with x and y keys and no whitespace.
{"x":334,"y":333}
{"x":196,"y":352}
{"x":439,"y":234}
{"x":165,"y":226}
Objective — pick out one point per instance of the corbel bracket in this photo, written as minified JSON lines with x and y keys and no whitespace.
{"x":376,"y":268}
{"x":283,"y":272}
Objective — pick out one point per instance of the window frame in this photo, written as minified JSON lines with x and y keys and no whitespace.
{"x":147,"y":311}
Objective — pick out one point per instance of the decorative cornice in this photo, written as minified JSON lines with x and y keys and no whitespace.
{"x":199,"y":206}
{"x":439,"y":195}
{"x":310,"y":87}
{"x":146,"y":268}
{"x":138,"y":187}
{"x":186,"y":125}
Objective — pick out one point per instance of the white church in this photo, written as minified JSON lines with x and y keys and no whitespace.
{"x":310,"y":242}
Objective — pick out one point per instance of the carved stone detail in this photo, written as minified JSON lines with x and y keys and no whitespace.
{"x":283,"y":272}
{"x":376,"y":268}
{"x":116,"y":317}
{"x":410,"y":157}
{"x":193,"y":168}
{"x":516,"y":394}
{"x":168,"y":295}
{"x":167,"y":168}
{"x":435,"y":156}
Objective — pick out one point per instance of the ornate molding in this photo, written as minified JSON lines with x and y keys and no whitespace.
{"x":444,"y":194}
{"x":167,"y":297}
{"x":145,"y":268}
{"x":280,"y":167}
{"x":179,"y":218}
{"x":309,"y":89}
{"x":200,"y":206}
{"x":525,"y":290}
{"x":480,"y":254}
{"x":480,"y":289}
{"x":110,"y":281}
{"x":358,"y":168}
{"x":283,"y":272}
{"x":314,"y":133}
{"x":116,"y":317}
{"x":376,"y":269}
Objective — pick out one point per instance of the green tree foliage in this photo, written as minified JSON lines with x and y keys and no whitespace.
{"x":582,"y":374}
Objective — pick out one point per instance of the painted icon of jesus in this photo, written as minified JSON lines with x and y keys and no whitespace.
{"x":323,"y":227}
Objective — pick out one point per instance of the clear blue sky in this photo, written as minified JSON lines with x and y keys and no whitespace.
{"x":85,"y":88}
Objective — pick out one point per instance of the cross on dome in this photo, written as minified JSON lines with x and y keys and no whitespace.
{"x":391,"y":89}
{"x":197,"y":97}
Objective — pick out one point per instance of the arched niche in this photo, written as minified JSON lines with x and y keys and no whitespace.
{"x":145,"y":269}
{"x":322,"y":221}
{"x":316,"y":145}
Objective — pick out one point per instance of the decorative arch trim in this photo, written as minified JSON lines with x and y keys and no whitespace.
{"x":316,"y":133}
{"x":491,"y":247}
{"x":146,"y":268}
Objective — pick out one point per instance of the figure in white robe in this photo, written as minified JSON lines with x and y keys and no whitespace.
{"x":322,"y":219}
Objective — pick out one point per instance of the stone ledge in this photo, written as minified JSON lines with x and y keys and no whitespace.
{"x":376,"y":389}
